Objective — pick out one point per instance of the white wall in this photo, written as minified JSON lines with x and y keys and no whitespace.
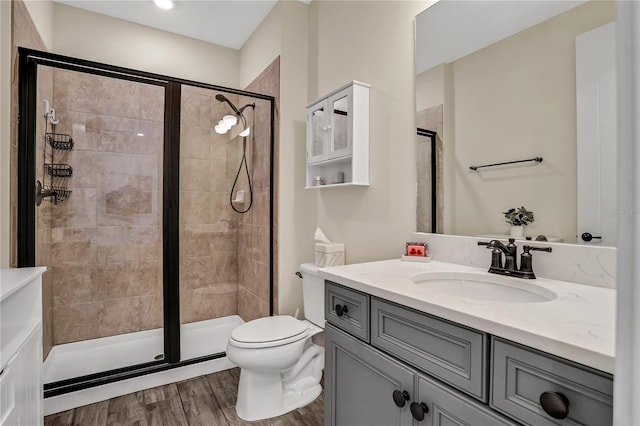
{"x":87,"y":35}
{"x":284,"y":32}
{"x":373,"y":42}
{"x":5,"y":131}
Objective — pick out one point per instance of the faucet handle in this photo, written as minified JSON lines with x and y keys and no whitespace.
{"x":485,"y":243}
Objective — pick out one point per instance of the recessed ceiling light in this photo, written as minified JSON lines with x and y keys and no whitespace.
{"x":164,"y":4}
{"x":140,"y":134}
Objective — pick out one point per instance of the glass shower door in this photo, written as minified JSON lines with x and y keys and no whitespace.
{"x":102,"y":243}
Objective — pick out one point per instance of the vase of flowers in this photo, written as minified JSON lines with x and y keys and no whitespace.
{"x":518,"y":218}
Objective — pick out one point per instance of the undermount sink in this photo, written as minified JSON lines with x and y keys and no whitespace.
{"x":482,"y":287}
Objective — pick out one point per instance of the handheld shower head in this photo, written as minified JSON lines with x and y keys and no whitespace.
{"x":222,"y":98}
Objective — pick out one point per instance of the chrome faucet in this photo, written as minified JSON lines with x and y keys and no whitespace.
{"x":510,"y":251}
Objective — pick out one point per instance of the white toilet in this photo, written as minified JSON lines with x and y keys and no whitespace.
{"x":280,"y":367}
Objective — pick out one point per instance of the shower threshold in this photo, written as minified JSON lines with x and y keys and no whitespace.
{"x":199,"y":340}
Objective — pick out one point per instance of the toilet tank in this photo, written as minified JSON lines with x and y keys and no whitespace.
{"x":312,"y":294}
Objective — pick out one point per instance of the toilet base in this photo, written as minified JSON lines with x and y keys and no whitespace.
{"x":260,"y":396}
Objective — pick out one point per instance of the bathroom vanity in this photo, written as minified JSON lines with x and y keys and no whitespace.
{"x":21,"y":346}
{"x":405,"y":344}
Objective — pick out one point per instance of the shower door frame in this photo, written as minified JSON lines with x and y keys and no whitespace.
{"x":29,"y":60}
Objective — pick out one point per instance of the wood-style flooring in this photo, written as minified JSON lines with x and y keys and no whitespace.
{"x":206,"y":400}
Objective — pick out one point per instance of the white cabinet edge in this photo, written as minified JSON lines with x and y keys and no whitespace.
{"x":333,"y":92}
{"x":13,"y":279}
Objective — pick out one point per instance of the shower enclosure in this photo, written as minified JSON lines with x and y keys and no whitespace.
{"x":149,"y":264}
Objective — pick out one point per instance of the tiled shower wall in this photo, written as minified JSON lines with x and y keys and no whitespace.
{"x":106,"y":240}
{"x":253,"y":227}
{"x":208,"y":225}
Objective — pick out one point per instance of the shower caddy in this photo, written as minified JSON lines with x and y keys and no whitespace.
{"x":55,"y":171}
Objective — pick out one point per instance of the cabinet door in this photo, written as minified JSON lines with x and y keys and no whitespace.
{"x":340,"y":108}
{"x":317,"y":132}
{"x":359,"y":384}
{"x":449,"y":407}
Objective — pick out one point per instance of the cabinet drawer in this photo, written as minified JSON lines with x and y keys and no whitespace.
{"x":347,"y":309}
{"x":455,"y":354}
{"x":448,"y":407}
{"x":521,"y":375}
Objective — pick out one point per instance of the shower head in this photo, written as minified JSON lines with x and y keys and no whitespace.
{"x":222,"y":98}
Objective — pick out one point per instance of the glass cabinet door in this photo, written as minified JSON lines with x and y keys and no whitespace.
{"x":341,"y":133}
{"x":318,"y":133}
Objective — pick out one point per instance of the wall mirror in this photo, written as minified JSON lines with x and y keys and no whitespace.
{"x":503,"y":81}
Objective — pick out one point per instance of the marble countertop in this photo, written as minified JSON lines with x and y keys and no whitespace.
{"x":13,"y":279}
{"x":579,"y":324}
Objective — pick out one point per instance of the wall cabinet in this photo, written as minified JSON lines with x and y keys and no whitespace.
{"x":338,"y":138}
{"x":410,"y":367}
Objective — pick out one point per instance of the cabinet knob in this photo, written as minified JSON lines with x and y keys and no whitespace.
{"x":418,"y":410}
{"x":400,"y":397}
{"x":555,"y":404}
{"x":341,"y":310}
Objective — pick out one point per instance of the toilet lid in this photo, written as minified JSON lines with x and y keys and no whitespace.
{"x":269,"y":329}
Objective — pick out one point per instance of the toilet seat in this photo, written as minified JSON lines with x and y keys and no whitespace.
{"x":269,"y":332}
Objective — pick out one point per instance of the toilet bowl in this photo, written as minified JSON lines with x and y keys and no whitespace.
{"x":280,"y":367}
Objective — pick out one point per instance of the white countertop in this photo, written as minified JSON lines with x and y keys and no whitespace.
{"x":13,"y":279}
{"x":579,"y":324}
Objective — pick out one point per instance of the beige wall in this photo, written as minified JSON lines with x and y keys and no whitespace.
{"x":5,"y":132}
{"x":41,"y":12}
{"x":527,"y":99}
{"x":374,"y":221}
{"x":284,"y":32}
{"x":95,"y":37}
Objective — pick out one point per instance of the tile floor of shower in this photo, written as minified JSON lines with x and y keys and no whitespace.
{"x":204,"y":400}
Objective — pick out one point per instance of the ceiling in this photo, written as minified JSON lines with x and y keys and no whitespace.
{"x":451,"y":29}
{"x":227,"y":23}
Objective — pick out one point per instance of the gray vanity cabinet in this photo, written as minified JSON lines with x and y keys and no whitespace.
{"x":359,"y":383}
{"x":386,"y":364}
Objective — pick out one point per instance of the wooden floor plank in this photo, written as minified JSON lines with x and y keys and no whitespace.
{"x":167,"y":412}
{"x":126,"y":408}
{"x":60,"y":419}
{"x":92,"y":414}
{"x":224,"y":379}
{"x":159,"y":393}
{"x":198,"y":387}
{"x":201,"y":411}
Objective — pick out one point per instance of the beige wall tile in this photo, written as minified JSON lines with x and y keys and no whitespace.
{"x":196,"y":110}
{"x":151,"y":312}
{"x":75,"y":322}
{"x":195,"y":207}
{"x":82,"y":126}
{"x":251,"y":307}
{"x":79,"y":210}
{"x":118,"y":316}
{"x":194,"y":174}
{"x":195,"y":142}
{"x":74,"y":284}
{"x":126,"y":280}
{"x":206,"y":303}
{"x":75,"y":91}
